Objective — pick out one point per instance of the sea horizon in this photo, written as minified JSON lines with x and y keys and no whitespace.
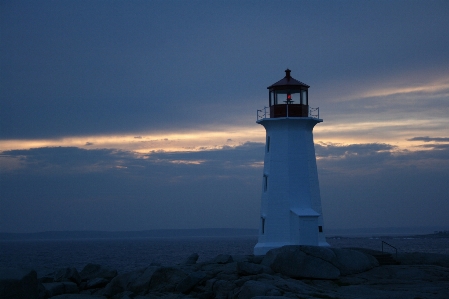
{"x":210,"y":232}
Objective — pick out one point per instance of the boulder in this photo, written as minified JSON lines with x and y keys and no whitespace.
{"x":91,"y":271}
{"x":244,"y":268}
{"x":188,"y":283}
{"x":78,"y":296}
{"x":222,"y":259}
{"x":18,"y":284}
{"x":352,"y":261}
{"x":220,"y":288}
{"x":96,"y":283}
{"x":67,"y":274}
{"x":165,"y":279}
{"x":142,"y":283}
{"x":419,"y":258}
{"x":317,"y":262}
{"x":120,"y":283}
{"x":293,"y":262}
{"x":58,"y":288}
{"x":252,"y":288}
{"x":191,"y":260}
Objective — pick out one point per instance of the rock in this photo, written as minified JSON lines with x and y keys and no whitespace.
{"x":288,"y":272}
{"x":165,"y":279}
{"x":78,"y":296}
{"x":352,"y":261}
{"x":120,"y":283}
{"x":213,"y":269}
{"x":67,"y":274}
{"x":242,"y":258}
{"x":418,"y":258}
{"x":293,"y":262}
{"x":18,"y":284}
{"x":256,"y":259}
{"x":142,"y":283}
{"x":222,"y":259}
{"x":96,"y":283}
{"x":191,"y":260}
{"x":188,"y":283}
{"x":91,"y":271}
{"x":220,"y":288}
{"x":397,"y":281}
{"x":127,"y":295}
{"x":58,"y":288}
{"x":244,"y":268}
{"x":321,"y":252}
{"x":251,"y":289}
{"x":318,"y":262}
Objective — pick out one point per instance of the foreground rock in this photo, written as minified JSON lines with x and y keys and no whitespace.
{"x":290,"y":271}
{"x":18,"y":284}
{"x":318,"y":262}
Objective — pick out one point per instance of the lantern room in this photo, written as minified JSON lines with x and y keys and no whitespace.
{"x":288,"y":98}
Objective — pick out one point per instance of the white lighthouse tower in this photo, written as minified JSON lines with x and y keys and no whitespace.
{"x":290,"y":212}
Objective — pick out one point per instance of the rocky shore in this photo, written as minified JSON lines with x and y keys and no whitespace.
{"x":290,"y":271}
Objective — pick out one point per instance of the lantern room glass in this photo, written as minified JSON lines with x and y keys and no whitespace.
{"x":278,"y":97}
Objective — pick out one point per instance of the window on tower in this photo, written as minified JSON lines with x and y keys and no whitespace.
{"x":263,"y":225}
{"x":265,"y":182}
{"x":268,"y":144}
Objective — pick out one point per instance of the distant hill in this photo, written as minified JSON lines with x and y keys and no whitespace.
{"x":158,"y":233}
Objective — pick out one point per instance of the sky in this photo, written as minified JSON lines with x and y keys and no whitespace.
{"x":137,"y":115}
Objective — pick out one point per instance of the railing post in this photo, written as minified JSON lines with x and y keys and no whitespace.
{"x":396,"y":250}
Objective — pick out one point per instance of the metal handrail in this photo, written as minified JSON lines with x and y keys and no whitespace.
{"x":265,"y":113}
{"x":262,"y":113}
{"x":314,"y":112}
{"x":383,"y":242}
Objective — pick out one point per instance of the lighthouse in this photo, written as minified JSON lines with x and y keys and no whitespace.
{"x":290,"y":211}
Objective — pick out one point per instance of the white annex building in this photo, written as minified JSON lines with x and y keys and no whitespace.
{"x":291,"y":203}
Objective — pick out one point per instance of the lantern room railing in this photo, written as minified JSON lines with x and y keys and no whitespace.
{"x":265,"y":113}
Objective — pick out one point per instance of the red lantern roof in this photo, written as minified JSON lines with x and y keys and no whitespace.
{"x":288,"y":82}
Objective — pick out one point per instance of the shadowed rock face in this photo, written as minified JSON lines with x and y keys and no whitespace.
{"x":18,"y":284}
{"x":317,"y":262}
{"x":290,"y":271}
{"x":291,"y":261}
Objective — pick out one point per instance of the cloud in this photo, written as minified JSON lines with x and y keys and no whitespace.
{"x":152,"y":110}
{"x":362,"y":185}
{"x":429,"y":139}
{"x":155,"y":66}
{"x":375,"y":185}
{"x":86,"y":189}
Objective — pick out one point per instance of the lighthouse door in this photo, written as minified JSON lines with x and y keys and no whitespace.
{"x":308,"y":230}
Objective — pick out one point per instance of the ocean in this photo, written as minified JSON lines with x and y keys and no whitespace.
{"x":128,"y":254}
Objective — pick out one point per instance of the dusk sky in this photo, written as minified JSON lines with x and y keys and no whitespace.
{"x":137,"y":115}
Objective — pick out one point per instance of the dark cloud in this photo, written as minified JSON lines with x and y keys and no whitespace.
{"x":71,"y":188}
{"x":335,"y":150}
{"x":362,"y":185}
{"x":429,"y":139}
{"x":82,"y":68}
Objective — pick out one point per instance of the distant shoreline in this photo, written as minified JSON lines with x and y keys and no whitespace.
{"x":159,"y":233}
{"x":207,"y":232}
